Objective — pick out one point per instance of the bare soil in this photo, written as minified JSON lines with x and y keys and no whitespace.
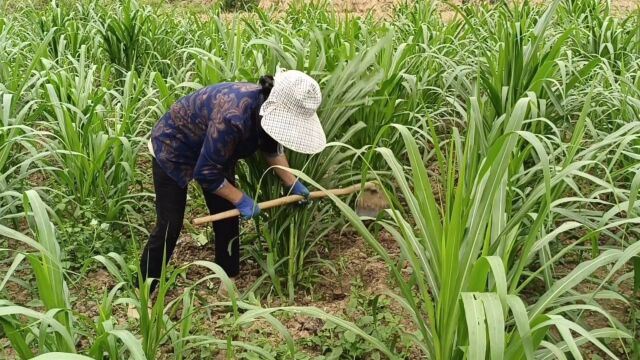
{"x":379,"y":8}
{"x":331,"y":294}
{"x":384,"y":7}
{"x":355,"y":262}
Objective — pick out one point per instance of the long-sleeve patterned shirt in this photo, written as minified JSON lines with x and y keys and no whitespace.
{"x":205,"y":133}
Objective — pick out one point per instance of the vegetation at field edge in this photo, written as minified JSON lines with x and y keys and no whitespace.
{"x":506,"y":141}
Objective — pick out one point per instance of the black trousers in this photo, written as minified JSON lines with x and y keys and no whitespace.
{"x":171,"y":200}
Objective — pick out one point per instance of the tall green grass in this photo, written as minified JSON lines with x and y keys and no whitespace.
{"x":470,"y":242}
{"x":54,"y":328}
{"x":53,"y":331}
{"x":506,"y":139}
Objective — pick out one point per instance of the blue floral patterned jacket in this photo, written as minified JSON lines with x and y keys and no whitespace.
{"x":205,"y":133}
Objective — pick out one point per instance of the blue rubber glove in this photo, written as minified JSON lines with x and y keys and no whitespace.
{"x":299,"y":189}
{"x":248,"y":208}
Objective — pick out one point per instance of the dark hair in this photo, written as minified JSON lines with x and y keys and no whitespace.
{"x":266,"y":82}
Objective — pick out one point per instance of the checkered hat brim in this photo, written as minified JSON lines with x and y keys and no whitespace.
{"x":289,"y":114}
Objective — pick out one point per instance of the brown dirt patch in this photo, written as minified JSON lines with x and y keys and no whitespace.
{"x":620,"y":310}
{"x":382,"y":8}
{"x":624,"y":6}
{"x":16,"y":292}
{"x":352,"y":256}
{"x":378,"y":8}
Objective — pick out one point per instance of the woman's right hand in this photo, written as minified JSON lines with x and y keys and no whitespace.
{"x":247,"y":207}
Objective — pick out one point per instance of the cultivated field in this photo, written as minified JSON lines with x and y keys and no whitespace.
{"x":506,"y":138}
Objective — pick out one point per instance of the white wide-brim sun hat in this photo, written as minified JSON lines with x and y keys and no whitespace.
{"x":290,"y":116}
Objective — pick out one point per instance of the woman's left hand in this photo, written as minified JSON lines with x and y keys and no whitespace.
{"x":299,"y":189}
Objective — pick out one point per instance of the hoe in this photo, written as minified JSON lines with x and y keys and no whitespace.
{"x":370,"y":203}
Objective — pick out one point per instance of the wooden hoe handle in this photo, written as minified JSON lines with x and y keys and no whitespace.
{"x":282,"y":201}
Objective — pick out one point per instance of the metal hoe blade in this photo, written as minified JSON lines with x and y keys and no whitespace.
{"x":371,"y":202}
